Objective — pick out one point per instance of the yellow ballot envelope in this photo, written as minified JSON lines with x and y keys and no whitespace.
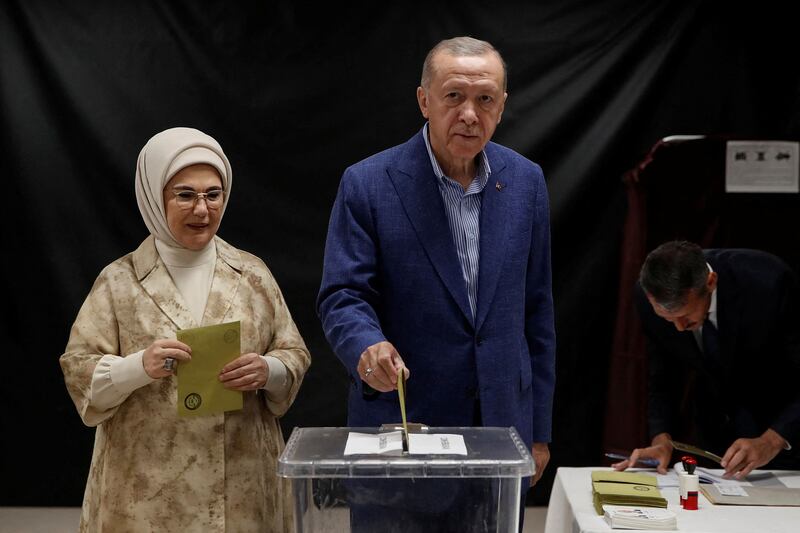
{"x":200,"y":391}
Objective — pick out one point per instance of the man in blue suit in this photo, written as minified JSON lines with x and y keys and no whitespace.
{"x":437,"y":264}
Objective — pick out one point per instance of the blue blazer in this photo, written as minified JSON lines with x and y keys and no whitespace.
{"x":391,"y":272}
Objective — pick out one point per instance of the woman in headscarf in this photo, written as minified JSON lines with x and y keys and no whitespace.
{"x":151,"y":469}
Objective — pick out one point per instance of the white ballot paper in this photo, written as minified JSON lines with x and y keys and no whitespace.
{"x":391,"y":443}
{"x":731,"y":489}
{"x":436,"y":443}
{"x":381,"y":443}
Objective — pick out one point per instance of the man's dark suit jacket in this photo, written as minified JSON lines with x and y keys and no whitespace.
{"x":756,"y":385}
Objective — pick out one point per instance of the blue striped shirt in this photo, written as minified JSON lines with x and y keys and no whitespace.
{"x":463,"y":209}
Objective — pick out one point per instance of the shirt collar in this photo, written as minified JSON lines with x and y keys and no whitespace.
{"x":712,"y":308}
{"x":483,"y":170}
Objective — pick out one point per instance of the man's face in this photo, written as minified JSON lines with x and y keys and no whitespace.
{"x":690,"y":316}
{"x":463,"y":103}
{"x":693,"y":313}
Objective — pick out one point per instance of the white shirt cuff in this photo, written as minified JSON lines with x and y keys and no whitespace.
{"x":115,"y":378}
{"x":278,"y":382}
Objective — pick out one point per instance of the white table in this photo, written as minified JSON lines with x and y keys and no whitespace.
{"x":571,"y":509}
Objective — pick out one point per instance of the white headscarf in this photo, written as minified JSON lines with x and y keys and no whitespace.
{"x":162,"y":157}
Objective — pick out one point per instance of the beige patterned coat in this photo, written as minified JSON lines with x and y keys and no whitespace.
{"x":153,"y":471}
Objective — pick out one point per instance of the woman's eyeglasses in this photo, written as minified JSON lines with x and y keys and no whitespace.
{"x":187,"y":198}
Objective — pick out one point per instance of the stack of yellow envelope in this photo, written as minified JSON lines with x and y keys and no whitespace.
{"x":625,"y":488}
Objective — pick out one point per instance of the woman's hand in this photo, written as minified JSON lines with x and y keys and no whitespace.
{"x":162,"y":349}
{"x":247,"y":372}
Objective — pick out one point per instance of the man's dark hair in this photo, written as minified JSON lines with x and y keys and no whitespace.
{"x":671,"y":271}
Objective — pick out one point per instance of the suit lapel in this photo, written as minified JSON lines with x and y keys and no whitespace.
{"x":495,"y":211}
{"x":415,"y":183}
{"x":158,"y":284}
{"x":227,"y":275}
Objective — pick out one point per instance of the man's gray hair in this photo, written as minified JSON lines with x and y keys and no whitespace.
{"x":459,"y":47}
{"x":671,"y":271}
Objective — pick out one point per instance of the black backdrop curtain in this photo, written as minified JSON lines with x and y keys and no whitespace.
{"x":295,"y":94}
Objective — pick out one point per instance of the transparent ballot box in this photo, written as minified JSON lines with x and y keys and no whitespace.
{"x":476,"y":492}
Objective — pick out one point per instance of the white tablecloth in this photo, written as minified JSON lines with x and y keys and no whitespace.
{"x":571,"y":510}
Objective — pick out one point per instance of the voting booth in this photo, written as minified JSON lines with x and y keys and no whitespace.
{"x":478,"y":491}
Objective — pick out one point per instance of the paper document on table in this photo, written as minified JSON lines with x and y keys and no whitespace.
{"x":730,"y":489}
{"x":626,"y":517}
{"x":768,"y":496}
{"x":625,"y":488}
{"x":200,"y":391}
{"x":714,"y":475}
{"x":436,"y":443}
{"x":670,"y":479}
{"x":374,"y":443}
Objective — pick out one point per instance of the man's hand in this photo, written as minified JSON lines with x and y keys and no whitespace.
{"x":379,"y":365}
{"x":744,"y":455}
{"x":541,"y":456}
{"x":660,"y":449}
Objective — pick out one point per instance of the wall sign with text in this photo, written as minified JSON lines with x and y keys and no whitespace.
{"x":761,"y":166}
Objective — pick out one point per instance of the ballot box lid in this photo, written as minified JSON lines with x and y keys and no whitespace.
{"x":491,"y":452}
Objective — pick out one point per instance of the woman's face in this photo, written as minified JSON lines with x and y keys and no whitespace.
{"x":194,"y":221}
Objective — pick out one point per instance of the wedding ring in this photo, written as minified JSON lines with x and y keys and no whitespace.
{"x":367,"y":372}
{"x":169,"y":364}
